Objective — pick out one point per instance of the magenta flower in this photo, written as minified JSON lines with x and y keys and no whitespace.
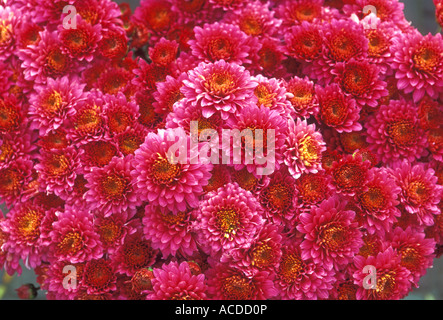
{"x":219,"y":87}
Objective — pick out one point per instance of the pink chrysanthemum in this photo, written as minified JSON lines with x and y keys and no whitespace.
{"x":57,"y":169}
{"x":263,"y":253}
{"x":27,"y":228}
{"x":254,"y":19}
{"x":271,"y":93}
{"x":168,"y":93}
{"x":81,"y":42}
{"x":131,"y":139}
{"x":302,"y":279}
{"x":64,"y":285}
{"x":303,"y":149}
{"x":415,"y":249}
{"x":113,"y":229}
{"x":418,"y":64}
{"x":177,"y":282}
{"x":100,"y":12}
{"x":312,"y":189}
{"x":169,"y":232}
{"x":394,"y":132}
{"x":361,"y":80}
{"x":228,"y":5}
{"x":219,"y":86}
{"x":343,"y":40}
{"x":148,"y":75}
{"x":420,"y":193}
{"x":337,"y":110}
{"x":73,"y":237}
{"x":331,"y":235}
{"x":97,"y":153}
{"x":221,"y":41}
{"x":110,"y":187}
{"x":304,"y":101}
{"x":162,"y":182}
{"x":254,"y":141}
{"x":46,"y":59}
{"x":228,"y":217}
{"x":156,"y":15}
{"x":135,"y":253}
{"x":228,"y":283}
{"x":379,"y":201}
{"x":8,"y":27}
{"x":119,"y":114}
{"x":435,"y":142}
{"x":393,"y":281}
{"x":53,"y":103}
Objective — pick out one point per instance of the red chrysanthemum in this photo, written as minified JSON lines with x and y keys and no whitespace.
{"x":99,"y":277}
{"x":304,"y":42}
{"x":164,"y":52}
{"x":304,"y":100}
{"x":14,"y":180}
{"x":350,"y":174}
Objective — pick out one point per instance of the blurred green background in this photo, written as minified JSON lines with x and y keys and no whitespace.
{"x":422,"y":15}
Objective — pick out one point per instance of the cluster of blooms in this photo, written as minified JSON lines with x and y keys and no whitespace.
{"x":355,"y":99}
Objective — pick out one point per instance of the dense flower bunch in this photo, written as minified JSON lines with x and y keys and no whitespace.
{"x":98,"y":208}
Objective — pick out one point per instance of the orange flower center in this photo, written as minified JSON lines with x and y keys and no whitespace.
{"x":418,"y":192}
{"x":219,"y":48}
{"x":251,"y":25}
{"x":410,"y":258}
{"x":402,"y":132}
{"x":262,"y":255}
{"x":56,"y":61}
{"x":386,"y":285}
{"x":279,"y":196}
{"x":227,"y":221}
{"x":53,"y":103}
{"x":264,"y":94}
{"x":57,"y":164}
{"x":333,"y":111}
{"x":118,"y":121}
{"x":72,"y":242}
{"x":114,"y":186}
{"x":100,"y":153}
{"x":128,"y":143}
{"x":245,"y":179}
{"x":109,"y":231}
{"x":355,"y":79}
{"x":342,"y":46}
{"x":9,"y":117}
{"x":220,"y":83}
{"x":88,"y":120}
{"x":378,"y":43}
{"x":373,"y":200}
{"x":427,"y":59}
{"x":165,"y":172}
{"x":290,"y":267}
{"x":28,"y":223}
{"x":333,"y":236}
{"x":237,"y":288}
{"x":309,"y":150}
{"x":348,"y":176}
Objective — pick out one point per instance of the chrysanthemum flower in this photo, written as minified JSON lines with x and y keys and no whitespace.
{"x":221,"y":41}
{"x":439,"y":11}
{"x":114,"y":80}
{"x":193,"y":12}
{"x":164,"y":52}
{"x":168,"y":232}
{"x":27,"y":228}
{"x":99,"y":277}
{"x":228,"y":217}
{"x":430,"y":113}
{"x":110,"y":187}
{"x":270,"y":57}
{"x":174,"y":281}
{"x":418,"y":64}
{"x":168,"y":93}
{"x":14,"y":179}
{"x":247,"y":180}
{"x":64,"y":285}
{"x":420,"y":193}
{"x":229,"y":283}
{"x":263,"y":253}
{"x":113,"y":229}
{"x":435,"y":142}
{"x":415,"y":249}
{"x":57,"y":169}
{"x":97,"y":153}
{"x":304,"y":42}
{"x":304,"y":100}
{"x":272,"y":94}
{"x":252,"y":149}
{"x":161,"y":181}
{"x":378,"y":201}
{"x":361,"y":80}
{"x":294,"y":13}
{"x":135,"y":253}
{"x":303,"y":149}
{"x":11,"y":111}
{"x":73,"y":237}
{"x":394,"y":132}
{"x":119,"y":114}
{"x":393,"y":281}
{"x":228,"y":5}
{"x":337,"y":110}
{"x":9,"y":23}
{"x":331,"y":235}
{"x":350,"y":174}
{"x":278,"y":197}
{"x":219,"y":86}
{"x":155,"y":15}
{"x":302,"y":279}
{"x":148,"y":75}
{"x":54,"y":139}
{"x":105,"y":13}
{"x":254,"y":19}
{"x":80,"y":42}
{"x":131,"y":139}
{"x":46,"y":59}
{"x":343,"y":40}
{"x":312,"y":188}
{"x":54,"y":102}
